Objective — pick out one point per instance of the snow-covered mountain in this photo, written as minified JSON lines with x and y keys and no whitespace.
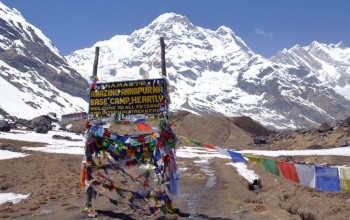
{"x":34,"y":77}
{"x":328,"y":63}
{"x":210,"y":72}
{"x":215,"y":72}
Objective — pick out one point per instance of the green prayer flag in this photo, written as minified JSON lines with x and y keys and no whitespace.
{"x":120,"y":192}
{"x":115,"y":202}
{"x":164,"y":209}
{"x":196,"y":142}
{"x":271,"y":166}
{"x":105,"y":185}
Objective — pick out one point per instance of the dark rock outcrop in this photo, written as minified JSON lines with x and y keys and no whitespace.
{"x":4,"y":126}
{"x":41,"y":124}
{"x":60,"y":137}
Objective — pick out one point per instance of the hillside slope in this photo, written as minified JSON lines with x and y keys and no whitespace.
{"x":35,"y":78}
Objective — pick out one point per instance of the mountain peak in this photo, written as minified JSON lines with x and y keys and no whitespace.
{"x":169,"y":15}
{"x":341,"y":45}
{"x":319,"y":46}
{"x":171,"y":18}
{"x":315,"y":44}
{"x":10,"y":14}
{"x":224,"y":30}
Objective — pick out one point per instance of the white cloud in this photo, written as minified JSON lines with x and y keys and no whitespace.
{"x":264,"y":33}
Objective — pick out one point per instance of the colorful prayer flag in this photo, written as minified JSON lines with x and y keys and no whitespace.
{"x":344,"y":173}
{"x":143,"y":127}
{"x":236,"y":157}
{"x":271,"y":166}
{"x":307,"y":175}
{"x":209,"y":146}
{"x":288,"y":170}
{"x":113,"y":201}
{"x":327,"y":178}
{"x":196,"y":142}
{"x":253,"y":158}
{"x":222,"y":151}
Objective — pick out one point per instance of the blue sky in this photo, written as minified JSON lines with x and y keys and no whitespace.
{"x":266,"y":26}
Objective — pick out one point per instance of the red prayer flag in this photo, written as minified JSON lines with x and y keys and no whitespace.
{"x":130,"y":152}
{"x":288,"y":170}
{"x":209,"y":146}
{"x":143,"y":127}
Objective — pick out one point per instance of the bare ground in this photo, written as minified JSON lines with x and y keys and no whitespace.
{"x":53,"y":181}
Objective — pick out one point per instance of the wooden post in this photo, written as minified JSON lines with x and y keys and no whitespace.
{"x":162,"y":56}
{"x":90,"y":192}
{"x":94,"y":71}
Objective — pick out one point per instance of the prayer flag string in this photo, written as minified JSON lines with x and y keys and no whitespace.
{"x":326,"y":178}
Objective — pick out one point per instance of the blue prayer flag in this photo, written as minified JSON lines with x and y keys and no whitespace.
{"x":236,"y":157}
{"x":327,"y":178}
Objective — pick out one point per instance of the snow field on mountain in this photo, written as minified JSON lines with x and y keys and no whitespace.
{"x":15,"y":101}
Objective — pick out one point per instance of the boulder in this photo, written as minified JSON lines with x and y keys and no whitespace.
{"x":314,"y":147}
{"x":4,"y":126}
{"x":20,"y":122}
{"x":41,"y":124}
{"x":12,"y":125}
{"x":62,"y":137}
{"x":324,"y":127}
{"x":260,"y":140}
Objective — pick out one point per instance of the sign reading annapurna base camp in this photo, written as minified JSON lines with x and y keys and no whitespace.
{"x":127,"y":98}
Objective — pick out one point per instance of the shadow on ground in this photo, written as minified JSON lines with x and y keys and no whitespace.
{"x":180,"y":214}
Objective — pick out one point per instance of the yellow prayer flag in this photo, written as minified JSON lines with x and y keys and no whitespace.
{"x":185,"y":138}
{"x":344,"y":176}
{"x":253,"y":158}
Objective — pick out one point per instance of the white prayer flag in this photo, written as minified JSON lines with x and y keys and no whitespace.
{"x":307,"y":174}
{"x":222,"y":151}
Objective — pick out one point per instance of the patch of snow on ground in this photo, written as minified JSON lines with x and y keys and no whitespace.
{"x":193,"y":152}
{"x":243,"y":170}
{"x":340,"y":151}
{"x":204,"y":154}
{"x":12,"y":197}
{"x":6,"y":154}
{"x":58,"y":149}
{"x":53,"y":145}
{"x":32,"y":136}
